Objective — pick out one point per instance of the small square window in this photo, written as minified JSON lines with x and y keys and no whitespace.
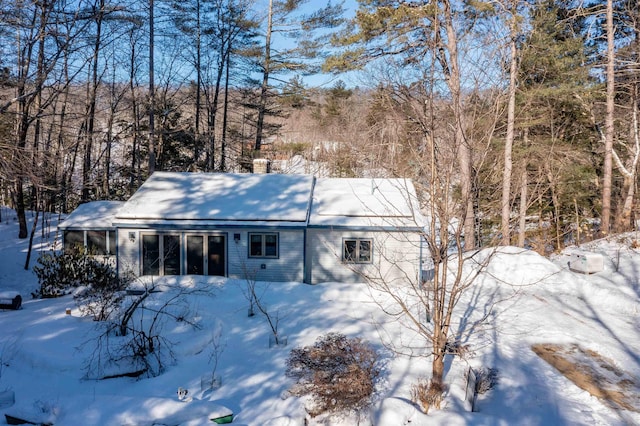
{"x":357,"y":250}
{"x":263,"y":245}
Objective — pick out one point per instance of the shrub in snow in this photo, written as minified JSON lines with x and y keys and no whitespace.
{"x":337,"y":372}
{"x":60,"y":273}
{"x":486,"y":379}
{"x":427,"y":393}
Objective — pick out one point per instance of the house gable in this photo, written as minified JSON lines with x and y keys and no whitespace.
{"x":363,"y":228}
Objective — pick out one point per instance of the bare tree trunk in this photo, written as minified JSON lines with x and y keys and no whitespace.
{"x":196,"y":145}
{"x":113,"y":107}
{"x":508,"y":146}
{"x":33,"y":232}
{"x":134,"y":179}
{"x":223,"y":144}
{"x":609,"y":123}
{"x":59,"y":155}
{"x":623,"y":219}
{"x":152,"y":97}
{"x":91,"y":107}
{"x":213,"y":107}
{"x":262,"y":107}
{"x":556,"y":207}
{"x":25,"y":101}
{"x":522,"y":231}
{"x":451,"y":68}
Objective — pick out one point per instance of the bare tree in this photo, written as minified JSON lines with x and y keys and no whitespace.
{"x":609,"y":130}
{"x":152,"y":97}
{"x":511,"y":112}
{"x":428,"y":34}
{"x":44,"y":33}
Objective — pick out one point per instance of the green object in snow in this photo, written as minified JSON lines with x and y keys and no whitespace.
{"x":223,"y":420}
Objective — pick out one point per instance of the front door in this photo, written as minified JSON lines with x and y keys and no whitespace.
{"x":216,"y":255}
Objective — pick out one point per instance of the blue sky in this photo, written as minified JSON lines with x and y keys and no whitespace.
{"x":326,"y":80}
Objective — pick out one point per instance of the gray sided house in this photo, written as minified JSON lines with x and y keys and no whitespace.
{"x":271,"y":227}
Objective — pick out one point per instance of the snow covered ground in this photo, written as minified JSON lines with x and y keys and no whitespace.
{"x":522,"y":299}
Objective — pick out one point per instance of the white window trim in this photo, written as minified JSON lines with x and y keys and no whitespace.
{"x":264,"y":245}
{"x":356,"y":258}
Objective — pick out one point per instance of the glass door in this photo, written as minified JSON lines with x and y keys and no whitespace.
{"x":195,"y":255}
{"x":216,"y":246}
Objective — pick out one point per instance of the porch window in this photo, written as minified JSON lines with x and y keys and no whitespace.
{"x":357,"y":250}
{"x":263,"y":245}
{"x":101,"y":242}
{"x":98,"y":242}
{"x":73,"y":238}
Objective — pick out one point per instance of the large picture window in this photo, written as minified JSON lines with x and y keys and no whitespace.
{"x":357,"y":250}
{"x":263,"y":245}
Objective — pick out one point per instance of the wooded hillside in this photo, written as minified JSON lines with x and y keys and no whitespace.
{"x":523,"y":115}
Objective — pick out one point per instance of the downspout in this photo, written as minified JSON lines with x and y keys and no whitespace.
{"x":307,"y":267}
{"x":420,"y":263}
{"x":306,"y":278}
{"x":116,"y":252}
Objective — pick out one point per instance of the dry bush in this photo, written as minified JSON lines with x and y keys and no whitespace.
{"x":455,"y":348}
{"x":337,"y":372}
{"x":486,"y":379}
{"x":427,"y":393}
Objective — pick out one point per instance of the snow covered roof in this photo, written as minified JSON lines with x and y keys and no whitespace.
{"x":200,"y":200}
{"x":228,"y":197}
{"x":367,"y":202}
{"x":92,"y":215}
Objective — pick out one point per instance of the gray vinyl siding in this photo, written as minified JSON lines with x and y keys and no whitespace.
{"x":395,"y":256}
{"x":288,"y":266}
{"x":128,"y":251}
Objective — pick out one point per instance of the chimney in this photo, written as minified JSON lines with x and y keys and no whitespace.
{"x":261,"y":166}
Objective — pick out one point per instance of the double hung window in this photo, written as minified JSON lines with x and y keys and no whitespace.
{"x":263,"y":244}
